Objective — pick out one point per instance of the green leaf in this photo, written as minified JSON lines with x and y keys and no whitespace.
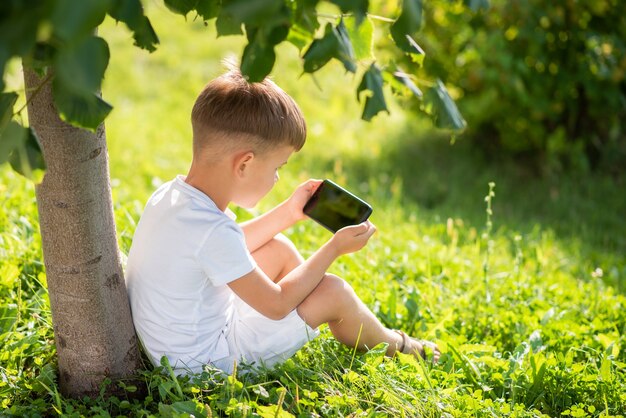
{"x":7,"y":101}
{"x":131,"y":13}
{"x":305,"y":15}
{"x":226,"y":24}
{"x":144,"y":35}
{"x":127,"y":11}
{"x":298,"y":37}
{"x":375,"y":356}
{"x":415,"y":51}
{"x":27,"y":157}
{"x":275,"y":35}
{"x":73,"y":20}
{"x":362,"y":37}
{"x":46,"y":379}
{"x":273,"y":411}
{"x":181,"y":6}
{"x":19,"y":25}
{"x":409,"y":22}
{"x":257,"y":12}
{"x":375,"y":100}
{"x":273,"y":17}
{"x":442,"y":108}
{"x":405,"y":81}
{"x":334,"y":44}
{"x":4,"y":57}
{"x":208,"y":9}
{"x":41,"y":57}
{"x":346,"y":52}
{"x":81,"y":66}
{"x":357,"y":7}
{"x":605,"y":369}
{"x":258,"y":57}
{"x":84,"y":111}
{"x":11,"y":136}
{"x":321,"y":51}
{"x":183,"y":408}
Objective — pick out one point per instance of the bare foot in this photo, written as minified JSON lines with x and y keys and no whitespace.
{"x":417,"y":347}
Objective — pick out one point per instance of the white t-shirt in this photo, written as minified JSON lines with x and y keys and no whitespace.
{"x":184,"y":252}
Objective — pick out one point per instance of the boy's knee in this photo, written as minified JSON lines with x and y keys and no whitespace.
{"x":285,"y":246}
{"x":334,"y":287}
{"x":329,"y":301}
{"x":281,"y":239}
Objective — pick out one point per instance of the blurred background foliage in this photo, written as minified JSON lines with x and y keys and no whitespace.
{"x":544,"y":82}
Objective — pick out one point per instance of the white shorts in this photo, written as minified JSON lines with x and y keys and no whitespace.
{"x":255,"y":339}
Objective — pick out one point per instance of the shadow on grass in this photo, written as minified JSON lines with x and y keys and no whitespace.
{"x":586,"y":212}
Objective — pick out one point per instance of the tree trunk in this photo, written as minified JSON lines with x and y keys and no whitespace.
{"x":93,"y":328}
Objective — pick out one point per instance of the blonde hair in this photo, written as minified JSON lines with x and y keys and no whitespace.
{"x":230,"y":110}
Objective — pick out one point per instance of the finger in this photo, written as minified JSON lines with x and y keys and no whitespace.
{"x":313,"y":183}
{"x":369,"y":224}
{"x":371,"y":229}
{"x":361,"y":229}
{"x":311,"y":186}
{"x":355,"y":230}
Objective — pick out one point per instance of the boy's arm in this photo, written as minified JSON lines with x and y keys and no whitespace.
{"x":276,"y":300}
{"x":260,"y":230}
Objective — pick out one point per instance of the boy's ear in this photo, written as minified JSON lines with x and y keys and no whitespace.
{"x":242,"y":162}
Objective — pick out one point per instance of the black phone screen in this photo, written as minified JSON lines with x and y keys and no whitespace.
{"x":333,"y":207}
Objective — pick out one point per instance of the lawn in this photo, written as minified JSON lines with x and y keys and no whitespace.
{"x":526,"y":301}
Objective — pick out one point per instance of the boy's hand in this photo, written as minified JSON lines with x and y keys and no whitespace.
{"x":300,"y":196}
{"x":352,"y":238}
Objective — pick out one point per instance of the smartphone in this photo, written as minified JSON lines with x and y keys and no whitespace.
{"x":334,"y":207}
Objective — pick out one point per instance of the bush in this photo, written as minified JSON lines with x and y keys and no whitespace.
{"x":536,"y":79}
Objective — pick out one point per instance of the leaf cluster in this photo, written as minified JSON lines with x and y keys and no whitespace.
{"x":57,"y":38}
{"x":348,"y":38}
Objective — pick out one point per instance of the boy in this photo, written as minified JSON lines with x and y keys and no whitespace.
{"x":205,"y":290}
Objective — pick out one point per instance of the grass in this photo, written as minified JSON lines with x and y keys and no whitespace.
{"x":530,"y":313}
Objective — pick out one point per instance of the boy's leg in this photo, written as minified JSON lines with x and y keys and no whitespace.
{"x":334,"y":302}
{"x":277,"y":257}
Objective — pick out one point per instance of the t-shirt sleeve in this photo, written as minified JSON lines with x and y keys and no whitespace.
{"x":223,"y":254}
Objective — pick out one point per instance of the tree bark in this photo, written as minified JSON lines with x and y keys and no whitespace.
{"x":93,"y":329}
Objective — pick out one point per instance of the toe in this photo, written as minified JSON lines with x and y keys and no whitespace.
{"x":433,"y":347}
